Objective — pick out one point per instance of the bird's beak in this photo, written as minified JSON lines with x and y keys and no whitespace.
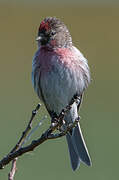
{"x":38,"y":38}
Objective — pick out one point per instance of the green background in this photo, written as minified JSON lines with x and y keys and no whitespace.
{"x":95,"y":31}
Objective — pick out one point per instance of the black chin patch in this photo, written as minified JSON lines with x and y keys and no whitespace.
{"x":44,"y":41}
{"x":45,"y":36}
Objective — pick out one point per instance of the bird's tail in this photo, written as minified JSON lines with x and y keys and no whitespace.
{"x":76,"y":144}
{"x":77,"y":148}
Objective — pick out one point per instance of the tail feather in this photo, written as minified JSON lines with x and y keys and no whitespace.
{"x":74,"y":158}
{"x":80,"y":146}
{"x":76,"y":144}
{"x":77,"y":148}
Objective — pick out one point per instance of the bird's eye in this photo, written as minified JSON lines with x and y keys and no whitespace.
{"x":53,"y":33}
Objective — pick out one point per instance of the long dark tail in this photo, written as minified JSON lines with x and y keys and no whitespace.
{"x":77,"y":148}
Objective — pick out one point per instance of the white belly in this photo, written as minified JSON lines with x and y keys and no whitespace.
{"x":59,"y":86}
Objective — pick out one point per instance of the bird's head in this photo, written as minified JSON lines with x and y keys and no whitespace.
{"x":53,"y":33}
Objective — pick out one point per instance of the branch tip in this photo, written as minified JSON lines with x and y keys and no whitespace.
{"x":56,"y":124}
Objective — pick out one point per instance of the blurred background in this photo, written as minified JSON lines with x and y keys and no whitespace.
{"x":94,"y":26}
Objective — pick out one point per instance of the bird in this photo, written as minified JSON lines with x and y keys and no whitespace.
{"x":59,"y":72}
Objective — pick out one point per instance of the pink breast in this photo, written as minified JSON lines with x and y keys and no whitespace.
{"x":62,"y":56}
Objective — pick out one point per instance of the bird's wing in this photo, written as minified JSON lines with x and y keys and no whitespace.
{"x":36,"y":73}
{"x":83,"y":66}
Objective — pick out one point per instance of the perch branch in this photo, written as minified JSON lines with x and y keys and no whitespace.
{"x":20,"y":142}
{"x":28,"y":128}
{"x":13,"y":170}
{"x":57,"y":123}
{"x":64,"y":132}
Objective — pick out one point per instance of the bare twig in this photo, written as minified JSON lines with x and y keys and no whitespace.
{"x":45,"y":136}
{"x":33,"y":130}
{"x":57,"y":123}
{"x":28,"y":128}
{"x":13,"y":170}
{"x":67,"y":129}
{"x":20,"y":143}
